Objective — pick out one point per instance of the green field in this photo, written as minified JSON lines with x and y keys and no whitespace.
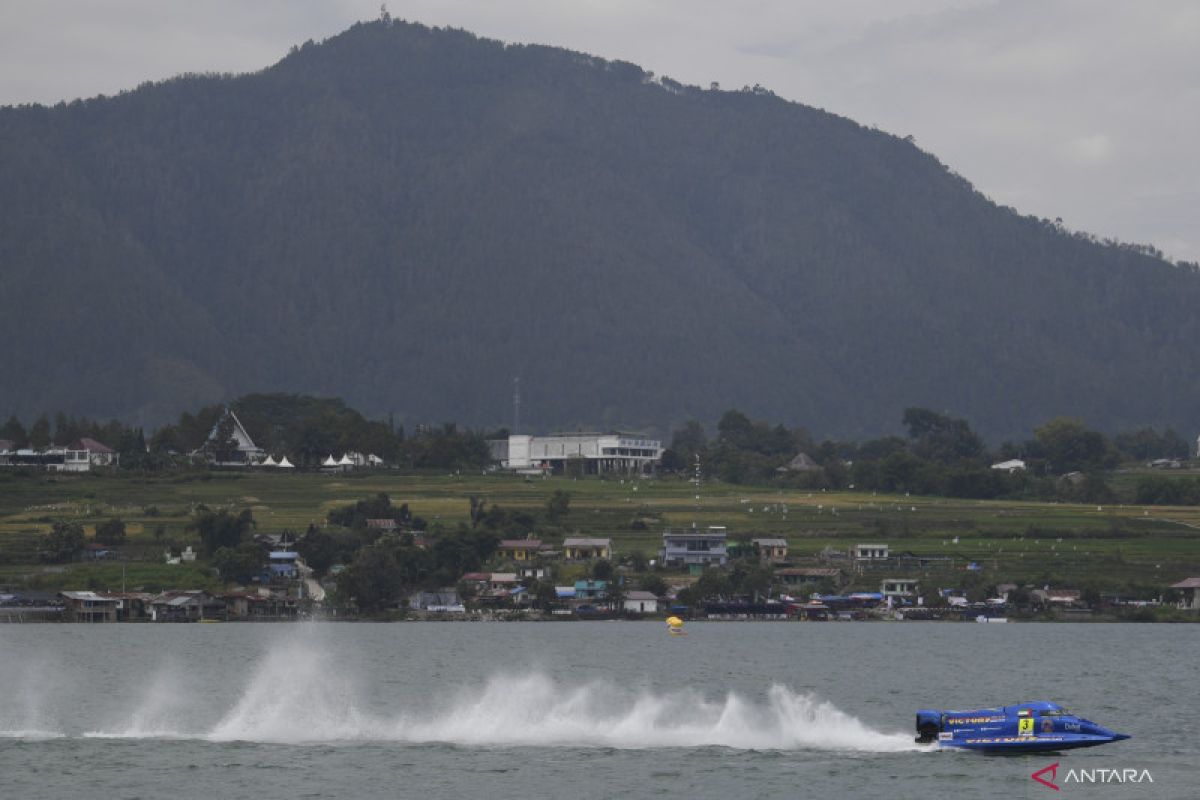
{"x":1112,"y":547}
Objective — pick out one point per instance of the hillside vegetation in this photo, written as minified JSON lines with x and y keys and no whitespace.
{"x":408,"y":218}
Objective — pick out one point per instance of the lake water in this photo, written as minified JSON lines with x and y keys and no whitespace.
{"x":582,"y":710}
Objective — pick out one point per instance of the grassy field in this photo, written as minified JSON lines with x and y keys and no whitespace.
{"x":1110,"y":546}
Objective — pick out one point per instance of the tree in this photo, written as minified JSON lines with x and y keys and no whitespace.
{"x":14,"y":431}
{"x":39,"y":434}
{"x":558,"y":505}
{"x":654,"y":584}
{"x":545,"y":596}
{"x":373,"y":579}
{"x":940,"y":438}
{"x":224,"y":447}
{"x":63,"y":542}
{"x":319,"y":549}
{"x":222,"y":529}
{"x":602,"y":570}
{"x":241,"y":563}
{"x":1069,"y":446}
{"x":111,"y":532}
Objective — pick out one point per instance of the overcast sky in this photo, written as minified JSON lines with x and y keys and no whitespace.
{"x":1087,"y":110}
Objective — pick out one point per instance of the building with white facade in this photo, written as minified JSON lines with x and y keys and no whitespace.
{"x":590,"y":453}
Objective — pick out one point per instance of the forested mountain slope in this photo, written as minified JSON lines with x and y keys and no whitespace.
{"x":408,"y":218}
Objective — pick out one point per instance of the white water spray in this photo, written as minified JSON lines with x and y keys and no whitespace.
{"x":299,"y":693}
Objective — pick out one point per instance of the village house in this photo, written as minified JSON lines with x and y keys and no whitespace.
{"x":871,"y":556}
{"x":591,"y":591}
{"x":534,"y":572}
{"x":519,"y":549}
{"x":691,"y":548}
{"x":771,"y":551}
{"x":443,"y":600}
{"x":282,"y":564}
{"x":88,"y":607}
{"x":899,"y":588}
{"x":641,"y":602}
{"x":1057,"y":598}
{"x":806,"y":576}
{"x":83,"y":454}
{"x":585,"y":549}
{"x":1188,"y":594}
{"x":262,"y":605}
{"x":185,"y":606}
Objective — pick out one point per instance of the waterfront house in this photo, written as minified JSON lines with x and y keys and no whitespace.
{"x":1057,"y":598}
{"x":445,"y":600}
{"x":88,"y":607}
{"x":899,"y":588}
{"x":519,"y":549}
{"x":584,"y":549}
{"x":695,"y":548}
{"x":475,"y":580}
{"x":186,"y":606}
{"x":640,"y":602}
{"x":282,"y":564}
{"x":772,"y":551}
{"x":1188,"y":595}
{"x":806,"y":576}
{"x":591,"y":591}
{"x":503,"y":581}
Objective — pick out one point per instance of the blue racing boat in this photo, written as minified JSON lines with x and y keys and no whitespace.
{"x":1023,"y":728}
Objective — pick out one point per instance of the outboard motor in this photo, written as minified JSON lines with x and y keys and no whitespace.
{"x":929,"y":725}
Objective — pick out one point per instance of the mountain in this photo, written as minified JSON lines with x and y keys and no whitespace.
{"x":408,"y":218}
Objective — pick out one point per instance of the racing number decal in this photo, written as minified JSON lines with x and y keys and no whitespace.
{"x":1025,"y":726}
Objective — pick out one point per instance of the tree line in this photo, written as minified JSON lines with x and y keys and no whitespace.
{"x":940,"y":455}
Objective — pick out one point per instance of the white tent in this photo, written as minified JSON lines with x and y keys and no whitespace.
{"x":329,"y":462}
{"x":268,"y":462}
{"x":345,"y":462}
{"x":285,"y":464}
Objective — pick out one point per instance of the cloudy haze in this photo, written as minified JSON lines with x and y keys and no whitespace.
{"x":1077,"y":109}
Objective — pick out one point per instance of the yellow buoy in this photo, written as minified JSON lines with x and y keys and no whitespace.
{"x":675,"y":626}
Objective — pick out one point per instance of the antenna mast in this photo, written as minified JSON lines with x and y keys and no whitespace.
{"x":696,"y":483}
{"x":516,"y":406}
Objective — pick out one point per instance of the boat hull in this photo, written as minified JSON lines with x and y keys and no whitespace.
{"x":1028,"y":744}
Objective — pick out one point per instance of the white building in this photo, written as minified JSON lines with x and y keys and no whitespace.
{"x":83,"y":454}
{"x":640,"y":602}
{"x":899,"y":587}
{"x":245,"y":453}
{"x":594,"y":453}
{"x":871,"y":552}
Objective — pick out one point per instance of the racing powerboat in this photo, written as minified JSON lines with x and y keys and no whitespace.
{"x":1023,"y":728}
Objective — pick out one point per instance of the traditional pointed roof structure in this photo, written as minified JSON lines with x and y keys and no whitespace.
{"x":285,"y":464}
{"x":250,"y":452}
